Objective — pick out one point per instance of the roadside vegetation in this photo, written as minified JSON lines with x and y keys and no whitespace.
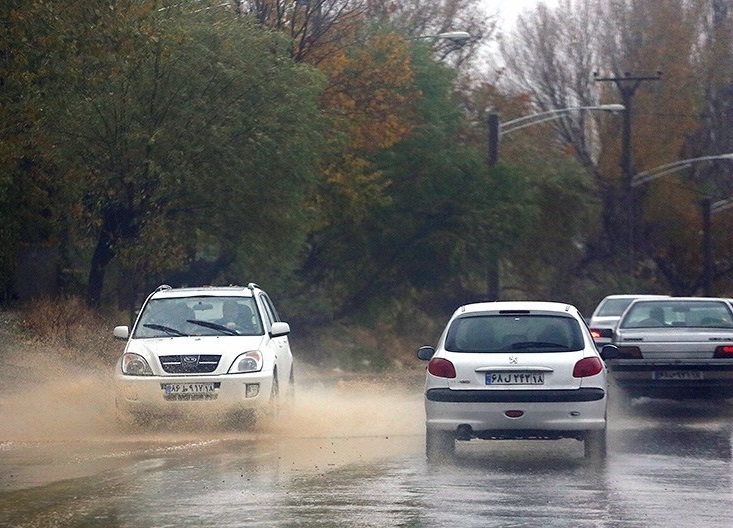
{"x":335,"y":152}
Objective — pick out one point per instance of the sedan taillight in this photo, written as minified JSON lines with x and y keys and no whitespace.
{"x":441,"y":368}
{"x":629,"y":352}
{"x":589,"y":366}
{"x":724,"y":351}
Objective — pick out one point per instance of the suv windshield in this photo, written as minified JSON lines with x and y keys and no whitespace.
{"x":514,"y":333}
{"x":199,"y":316}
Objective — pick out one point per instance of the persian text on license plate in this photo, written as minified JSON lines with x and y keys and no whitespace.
{"x":515,"y":378}
{"x":681,"y":375}
{"x":188,"y":388}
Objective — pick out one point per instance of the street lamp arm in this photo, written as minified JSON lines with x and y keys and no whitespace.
{"x":534,"y":119}
{"x":454,"y":36}
{"x":656,"y":172}
{"x":721,"y":205}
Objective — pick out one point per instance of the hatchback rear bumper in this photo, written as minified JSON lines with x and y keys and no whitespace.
{"x":506,"y":396}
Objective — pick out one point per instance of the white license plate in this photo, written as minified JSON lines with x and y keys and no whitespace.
{"x":681,"y":375}
{"x":515,"y":378}
{"x":188,"y":388}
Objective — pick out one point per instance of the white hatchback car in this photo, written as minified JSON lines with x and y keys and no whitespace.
{"x":515,"y":370}
{"x":204,"y":350}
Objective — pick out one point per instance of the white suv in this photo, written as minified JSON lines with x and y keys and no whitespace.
{"x":524,"y":370}
{"x":204,"y":350}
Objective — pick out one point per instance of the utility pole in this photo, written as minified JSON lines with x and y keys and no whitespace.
{"x":492,"y":268}
{"x":707,"y":247}
{"x":627,"y":86}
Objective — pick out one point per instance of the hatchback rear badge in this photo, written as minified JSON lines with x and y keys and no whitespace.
{"x":513,"y":360}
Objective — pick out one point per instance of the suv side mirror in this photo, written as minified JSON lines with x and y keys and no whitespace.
{"x":121,"y":332}
{"x":279,"y":329}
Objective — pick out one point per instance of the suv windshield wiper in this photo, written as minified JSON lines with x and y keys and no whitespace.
{"x":214,"y":326}
{"x":167,"y":329}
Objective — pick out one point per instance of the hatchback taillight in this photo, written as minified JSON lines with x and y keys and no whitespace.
{"x":441,"y":368}
{"x":589,"y":366}
{"x":724,"y":351}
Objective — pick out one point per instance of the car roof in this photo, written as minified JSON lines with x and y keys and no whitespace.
{"x":210,"y":291}
{"x":496,"y":306}
{"x":632,"y":296}
{"x":635,"y":296}
{"x":684,"y":299}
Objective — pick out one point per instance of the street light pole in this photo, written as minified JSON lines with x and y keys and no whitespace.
{"x":627,"y":86}
{"x":496,"y":131}
{"x":708,"y":209}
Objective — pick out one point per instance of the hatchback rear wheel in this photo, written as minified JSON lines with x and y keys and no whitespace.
{"x":595,"y":444}
{"x":439,"y":445}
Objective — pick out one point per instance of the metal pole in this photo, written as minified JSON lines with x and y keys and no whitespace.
{"x":492,"y":269}
{"x":707,"y":248}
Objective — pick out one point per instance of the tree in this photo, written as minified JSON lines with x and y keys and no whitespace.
{"x":554,"y":59}
{"x":440,"y":214}
{"x":187,"y":134}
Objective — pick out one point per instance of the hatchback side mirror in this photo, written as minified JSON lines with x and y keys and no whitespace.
{"x":609,"y":352}
{"x":425,"y":352}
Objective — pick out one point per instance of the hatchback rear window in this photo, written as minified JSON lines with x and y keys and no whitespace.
{"x":514,"y":333}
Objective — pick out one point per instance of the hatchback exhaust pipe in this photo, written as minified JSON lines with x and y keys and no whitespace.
{"x":464,"y":432}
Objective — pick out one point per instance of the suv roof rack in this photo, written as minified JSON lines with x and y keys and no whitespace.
{"x":252,"y":286}
{"x":163,"y":287}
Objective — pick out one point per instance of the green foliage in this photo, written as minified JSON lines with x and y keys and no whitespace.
{"x":443,"y":213}
{"x":184,"y":133}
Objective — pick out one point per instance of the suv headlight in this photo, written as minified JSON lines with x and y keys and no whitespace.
{"x":247,"y":362}
{"x":135,"y":365}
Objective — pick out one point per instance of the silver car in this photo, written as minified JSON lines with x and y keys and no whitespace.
{"x":609,"y":311}
{"x":677,"y":348}
{"x":523,"y":370}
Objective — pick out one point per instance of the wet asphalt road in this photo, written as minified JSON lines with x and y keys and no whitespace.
{"x":353,"y":456}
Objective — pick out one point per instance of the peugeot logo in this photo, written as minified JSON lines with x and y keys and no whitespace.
{"x":513,"y":360}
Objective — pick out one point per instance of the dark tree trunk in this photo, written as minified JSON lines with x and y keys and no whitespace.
{"x":102,"y":256}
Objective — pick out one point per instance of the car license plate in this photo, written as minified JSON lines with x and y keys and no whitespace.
{"x":515,"y":378}
{"x":682,"y":375}
{"x":188,"y":388}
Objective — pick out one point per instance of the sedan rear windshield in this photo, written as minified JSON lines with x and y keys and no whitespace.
{"x":689,"y":314}
{"x":613,"y":307}
{"x":514,"y":333}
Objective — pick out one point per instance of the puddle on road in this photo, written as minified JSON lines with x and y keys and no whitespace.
{"x":65,"y":420}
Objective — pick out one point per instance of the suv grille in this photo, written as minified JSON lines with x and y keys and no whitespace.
{"x":189,"y":364}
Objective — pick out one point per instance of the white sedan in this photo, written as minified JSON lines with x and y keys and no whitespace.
{"x":515,"y":370}
{"x":211,"y":350}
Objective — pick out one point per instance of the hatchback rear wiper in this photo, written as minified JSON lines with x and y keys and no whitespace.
{"x":537,"y":344}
